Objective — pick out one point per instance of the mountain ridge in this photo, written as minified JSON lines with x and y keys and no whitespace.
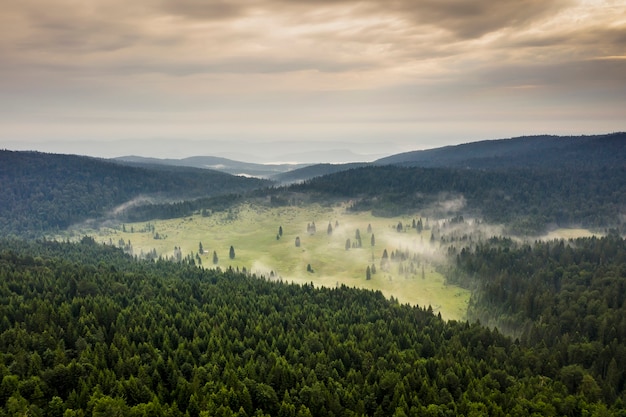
{"x":217,"y":163}
{"x":542,"y":151}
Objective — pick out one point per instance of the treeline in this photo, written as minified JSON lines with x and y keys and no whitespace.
{"x":175,"y":210}
{"x":526,"y":200}
{"x":568,"y":297}
{"x":88,"y":331}
{"x":43,"y":192}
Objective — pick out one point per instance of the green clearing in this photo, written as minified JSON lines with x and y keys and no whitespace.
{"x":252,"y":231}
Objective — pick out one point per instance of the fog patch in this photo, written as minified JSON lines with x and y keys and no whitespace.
{"x":262,"y":269}
{"x":451,"y":205}
{"x":135,"y":202}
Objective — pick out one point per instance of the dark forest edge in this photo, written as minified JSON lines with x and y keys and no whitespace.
{"x":87,"y":330}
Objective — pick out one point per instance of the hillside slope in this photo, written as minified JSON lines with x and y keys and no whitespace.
{"x":528,"y":201}
{"x":539,"y":152}
{"x":48,"y":191}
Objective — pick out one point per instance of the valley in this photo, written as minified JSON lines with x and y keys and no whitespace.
{"x":444,"y":283}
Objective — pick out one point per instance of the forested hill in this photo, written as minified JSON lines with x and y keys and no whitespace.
{"x":312,"y":171}
{"x":88,"y":331}
{"x":215,"y":163}
{"x":526,"y":200}
{"x":43,"y":191}
{"x":537,"y":152}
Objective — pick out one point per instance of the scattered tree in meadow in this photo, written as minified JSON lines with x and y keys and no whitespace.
{"x":280,"y":231}
{"x":357,"y":239}
{"x":373,"y":240}
{"x":369,"y":228}
{"x":297,"y":241}
{"x":399,"y":227}
{"x":384,"y":261}
{"x":348,"y":244}
{"x":215,"y":258}
{"x":309,"y":268}
{"x":329,"y":230}
{"x":231,"y":253}
{"x":200,"y":249}
{"x":368,"y":273}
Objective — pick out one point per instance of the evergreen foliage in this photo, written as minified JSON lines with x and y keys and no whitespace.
{"x":527,"y":200}
{"x":566,"y":296}
{"x":87,"y":330}
{"x":43,"y":192}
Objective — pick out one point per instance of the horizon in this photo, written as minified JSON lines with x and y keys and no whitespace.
{"x":308,"y":156}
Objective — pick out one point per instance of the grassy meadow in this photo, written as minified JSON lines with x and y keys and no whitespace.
{"x":253,"y":230}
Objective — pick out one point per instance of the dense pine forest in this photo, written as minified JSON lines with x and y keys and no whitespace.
{"x":87,"y":330}
{"x":528,"y":201}
{"x":46,"y":192}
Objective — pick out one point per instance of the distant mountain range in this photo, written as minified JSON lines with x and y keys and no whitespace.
{"x":228,"y":166}
{"x":537,"y":152}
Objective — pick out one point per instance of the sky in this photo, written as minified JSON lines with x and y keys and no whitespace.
{"x":263,"y":79}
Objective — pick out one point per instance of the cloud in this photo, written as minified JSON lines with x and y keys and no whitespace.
{"x":473,"y":19}
{"x":406,"y":66}
{"x":202,"y":9}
